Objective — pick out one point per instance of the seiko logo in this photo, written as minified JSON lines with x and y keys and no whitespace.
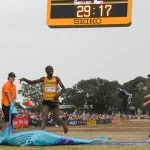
{"x":87,"y":21}
{"x":87,"y":1}
{"x":81,"y":2}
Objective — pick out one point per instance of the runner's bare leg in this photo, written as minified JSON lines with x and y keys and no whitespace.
{"x":45,"y":111}
{"x":57,"y":119}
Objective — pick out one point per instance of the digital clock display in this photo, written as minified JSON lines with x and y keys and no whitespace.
{"x":88,"y":13}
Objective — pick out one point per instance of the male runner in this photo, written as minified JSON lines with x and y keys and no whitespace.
{"x":147,"y":96}
{"x":144,"y":105}
{"x":50,"y":96}
{"x":8,"y":96}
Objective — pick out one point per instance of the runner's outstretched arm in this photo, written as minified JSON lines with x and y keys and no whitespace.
{"x":32,"y":81}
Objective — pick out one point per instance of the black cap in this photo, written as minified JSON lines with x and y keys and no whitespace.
{"x":148,"y":75}
{"x":11,"y":74}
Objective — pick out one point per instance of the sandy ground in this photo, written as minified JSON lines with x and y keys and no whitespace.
{"x":125,"y":132}
{"x":134,"y":131}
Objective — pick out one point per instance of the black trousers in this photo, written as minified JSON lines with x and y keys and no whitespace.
{"x":5,"y":110}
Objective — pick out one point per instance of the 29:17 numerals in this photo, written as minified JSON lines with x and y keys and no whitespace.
{"x":85,"y":11}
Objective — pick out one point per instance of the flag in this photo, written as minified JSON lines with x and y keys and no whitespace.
{"x":27,"y":103}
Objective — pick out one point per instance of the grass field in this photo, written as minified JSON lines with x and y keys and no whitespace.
{"x":134,"y":131}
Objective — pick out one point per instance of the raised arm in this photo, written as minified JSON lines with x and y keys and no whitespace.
{"x":32,"y":81}
{"x":147,"y":96}
{"x":146,"y":103}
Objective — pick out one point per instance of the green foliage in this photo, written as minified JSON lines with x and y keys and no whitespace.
{"x":97,"y":92}
{"x":33,"y":91}
{"x":102,"y":94}
{"x":105,"y":96}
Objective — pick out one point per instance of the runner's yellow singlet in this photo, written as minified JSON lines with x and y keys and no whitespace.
{"x":50,"y":89}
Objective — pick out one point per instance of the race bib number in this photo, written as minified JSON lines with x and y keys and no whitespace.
{"x":50,"y":89}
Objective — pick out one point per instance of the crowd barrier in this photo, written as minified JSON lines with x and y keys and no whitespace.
{"x":91,"y":122}
{"x":50,"y":122}
{"x":25,"y":122}
{"x":20,"y":122}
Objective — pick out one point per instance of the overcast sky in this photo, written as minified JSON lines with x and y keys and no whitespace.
{"x":28,"y":45}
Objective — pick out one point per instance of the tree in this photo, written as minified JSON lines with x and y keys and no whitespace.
{"x":97,"y":92}
{"x":124,"y":105}
{"x":73,"y":97}
{"x":138,"y":87}
{"x":33,"y":91}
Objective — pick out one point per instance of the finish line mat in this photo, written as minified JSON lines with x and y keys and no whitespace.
{"x":121,"y":143}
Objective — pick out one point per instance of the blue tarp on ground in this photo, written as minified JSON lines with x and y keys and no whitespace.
{"x":39,"y":137}
{"x":43,"y":138}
